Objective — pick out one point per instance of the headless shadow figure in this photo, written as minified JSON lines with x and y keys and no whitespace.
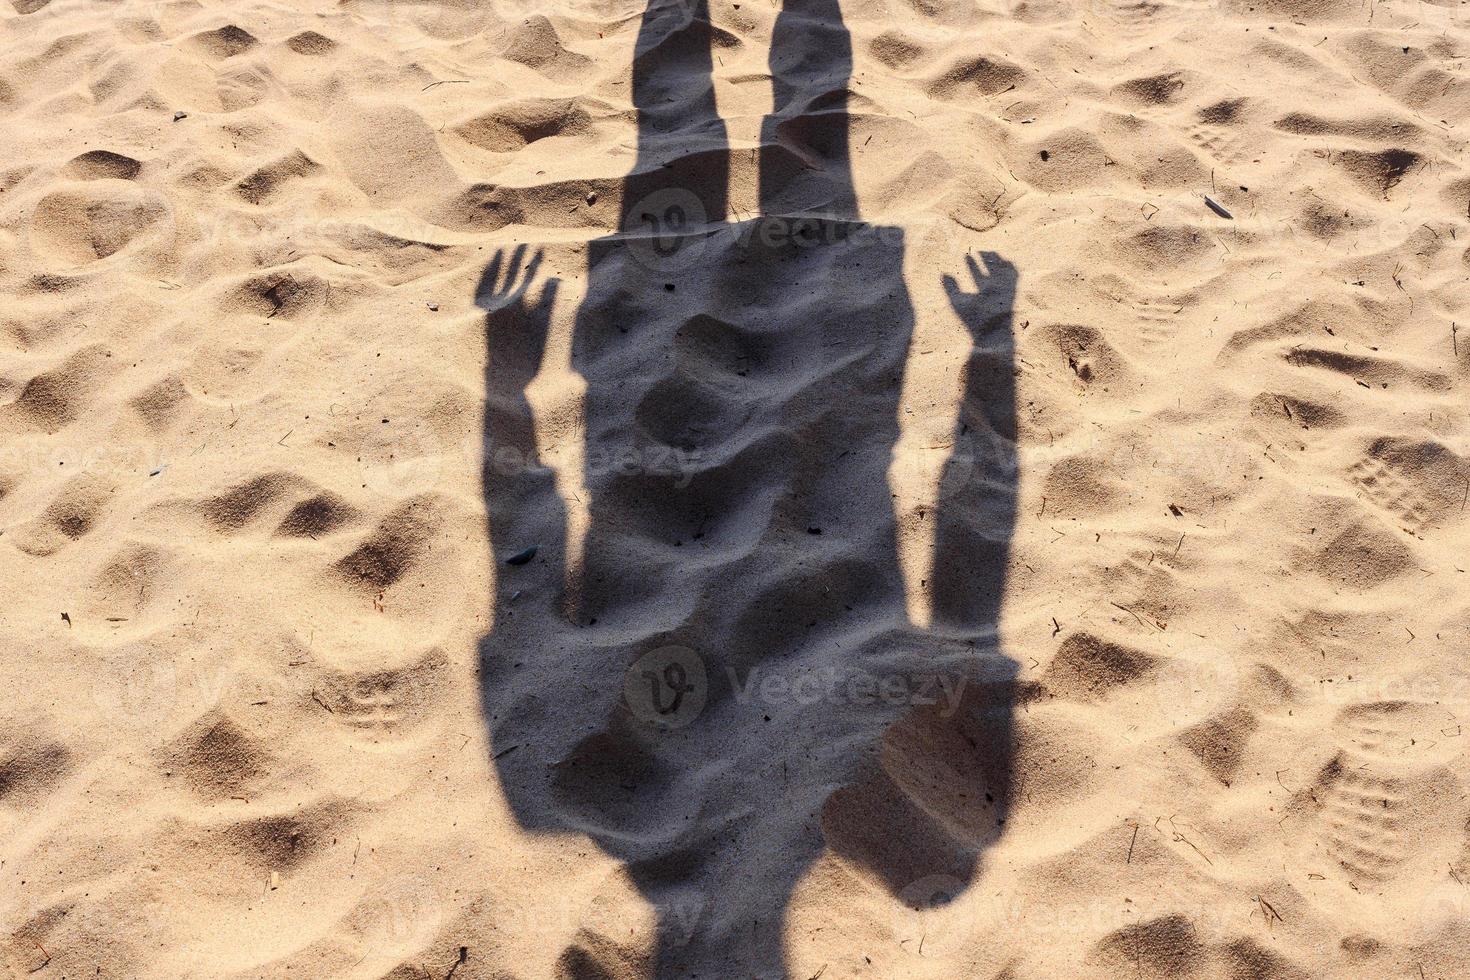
{"x":722,"y":680}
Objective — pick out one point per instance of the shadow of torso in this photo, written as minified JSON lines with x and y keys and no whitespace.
{"x":729,"y":682}
{"x":715,"y":677}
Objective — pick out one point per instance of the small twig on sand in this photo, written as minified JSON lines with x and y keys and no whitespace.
{"x":1180,"y":838}
{"x":43,"y":953}
{"x":1129,"y":612}
{"x":1218,"y":208}
{"x":1141,"y":620}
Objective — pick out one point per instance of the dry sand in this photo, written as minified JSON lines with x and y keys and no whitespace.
{"x":1134,"y":640}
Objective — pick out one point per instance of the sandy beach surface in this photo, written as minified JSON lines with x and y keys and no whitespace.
{"x":887,"y":488}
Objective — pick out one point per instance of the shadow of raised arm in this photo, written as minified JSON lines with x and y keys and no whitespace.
{"x":520,"y":491}
{"x":989,"y":306}
{"x":516,"y":330}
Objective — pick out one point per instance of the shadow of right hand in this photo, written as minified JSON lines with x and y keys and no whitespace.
{"x":516,"y":330}
{"x":994,"y":291}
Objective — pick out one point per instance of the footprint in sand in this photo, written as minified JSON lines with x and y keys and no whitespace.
{"x":1386,"y":488}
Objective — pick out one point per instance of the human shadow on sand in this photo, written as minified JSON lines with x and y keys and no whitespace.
{"x":716,"y":678}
